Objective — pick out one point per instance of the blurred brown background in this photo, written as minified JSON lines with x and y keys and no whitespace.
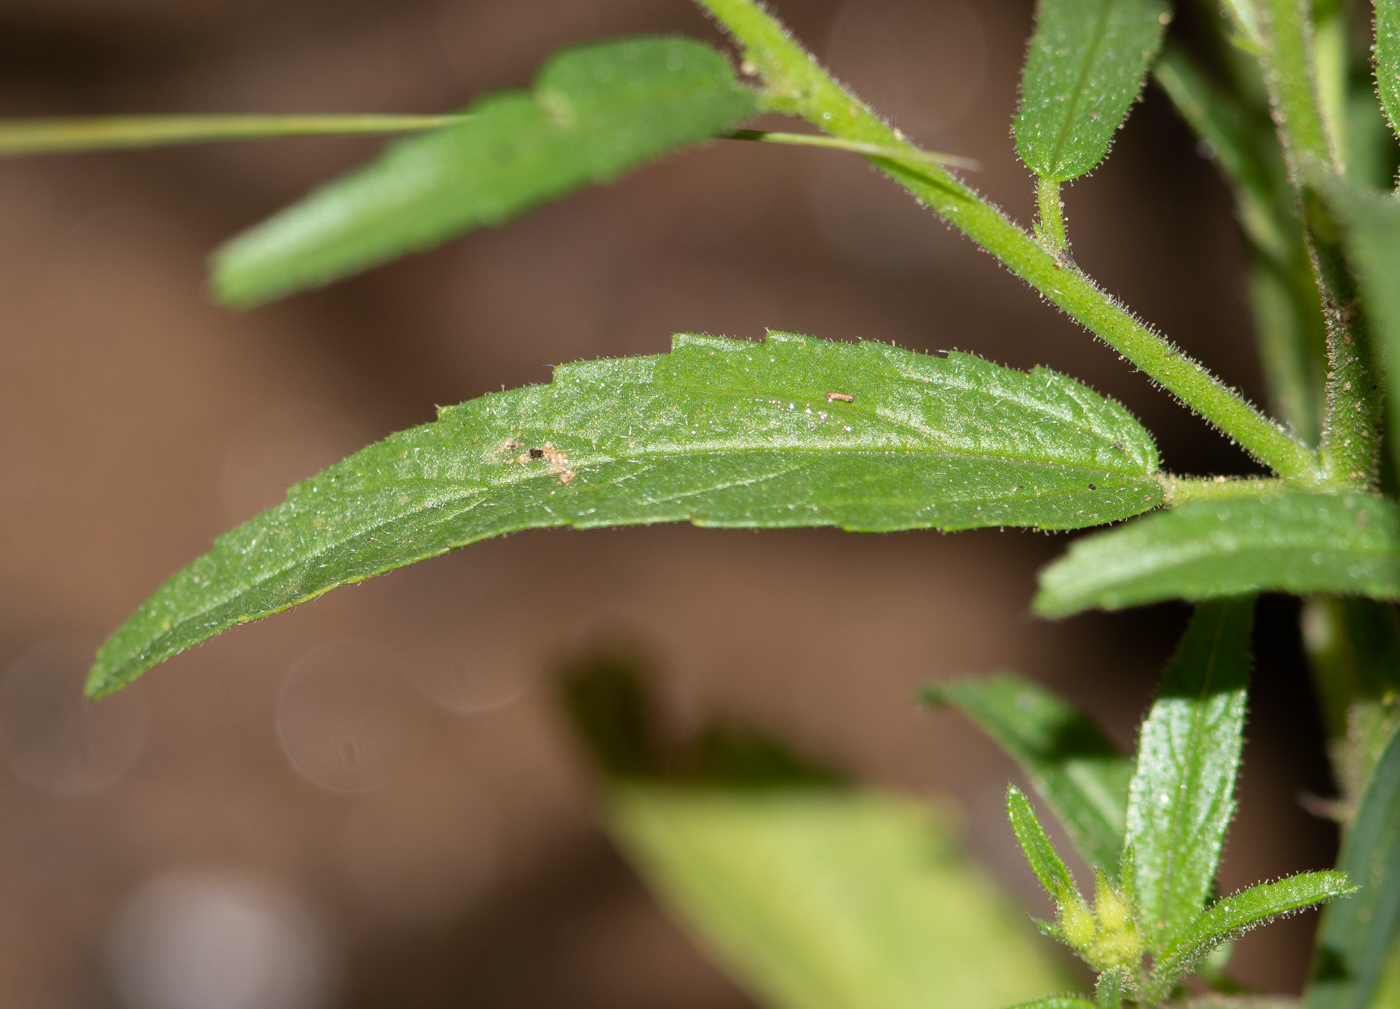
{"x":453,"y":860}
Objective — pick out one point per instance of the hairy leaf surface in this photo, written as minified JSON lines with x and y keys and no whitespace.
{"x":1069,"y":762}
{"x":1085,"y":68}
{"x":718,"y":432}
{"x":595,"y":112}
{"x":1355,"y":937}
{"x":1044,"y":860}
{"x":1182,"y":796}
{"x":1348,"y":544}
{"x":1232,"y":916}
{"x":1387,"y":55}
{"x":823,"y":899}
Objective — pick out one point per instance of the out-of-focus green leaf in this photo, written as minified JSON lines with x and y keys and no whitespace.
{"x":595,"y":112}
{"x":1353,"y":645}
{"x":1182,"y":796}
{"x":824,"y":899}
{"x":1057,"y":1002}
{"x":1355,"y":937}
{"x":1069,"y":762}
{"x":1044,"y":860}
{"x":1387,"y":54}
{"x":1085,"y":67}
{"x":790,"y":432}
{"x":1232,"y":916}
{"x":1348,"y":544}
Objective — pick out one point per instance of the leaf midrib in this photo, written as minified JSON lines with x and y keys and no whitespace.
{"x":1099,"y":32}
{"x":1199,"y":719}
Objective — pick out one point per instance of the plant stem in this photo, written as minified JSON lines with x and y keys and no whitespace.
{"x":837,"y":143}
{"x":800,"y":87}
{"x":35,"y":136}
{"x":1050,"y":228}
{"x":1184,"y":490}
{"x":1350,"y":450}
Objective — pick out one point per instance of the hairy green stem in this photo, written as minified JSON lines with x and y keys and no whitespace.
{"x":37,"y":136}
{"x":1050,"y":228}
{"x":1350,"y":450}
{"x":800,"y":87}
{"x":1184,"y":490}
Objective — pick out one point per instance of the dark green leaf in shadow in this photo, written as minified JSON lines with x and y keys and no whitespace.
{"x":1182,"y":796}
{"x":1355,"y":937}
{"x":1230,"y":917}
{"x":595,"y":112}
{"x":1070,"y":763}
{"x":1084,"y":70}
{"x":1348,"y":544}
{"x":822,"y":899}
{"x":790,"y":432}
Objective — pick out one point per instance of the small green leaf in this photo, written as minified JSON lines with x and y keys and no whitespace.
{"x":1355,"y":938}
{"x":1112,"y":985}
{"x":1232,"y":916}
{"x":819,"y":899}
{"x":1182,"y":796}
{"x":1044,"y":860}
{"x":1348,"y":544}
{"x":1070,"y":763}
{"x":1387,"y":56}
{"x":791,"y":432}
{"x":1085,"y":67}
{"x":596,"y":111}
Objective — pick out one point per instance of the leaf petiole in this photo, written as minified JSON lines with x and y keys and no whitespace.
{"x":1050,"y":228}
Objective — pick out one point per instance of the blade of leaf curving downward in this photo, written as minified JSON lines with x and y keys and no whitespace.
{"x":1232,"y":916}
{"x":821,"y":899}
{"x":1085,"y":67}
{"x":1355,"y":938}
{"x":1348,"y":544}
{"x":790,"y":432}
{"x":1070,"y":763}
{"x":1387,"y":55}
{"x":1182,"y":796}
{"x":595,"y":112}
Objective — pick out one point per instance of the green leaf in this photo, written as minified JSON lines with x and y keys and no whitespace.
{"x":1182,"y":796}
{"x":832,"y":900}
{"x":1070,"y":763}
{"x":1387,"y":56}
{"x":1085,"y":68}
{"x":1232,"y":916}
{"x":1057,"y":1002}
{"x":595,"y":112}
{"x":718,"y":432}
{"x":1348,"y":544}
{"x":1044,"y":860}
{"x":1112,"y":985}
{"x":1355,"y":938}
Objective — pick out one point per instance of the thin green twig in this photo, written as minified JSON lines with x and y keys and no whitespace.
{"x":910,"y":154}
{"x":38,"y":136}
{"x":798,"y":86}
